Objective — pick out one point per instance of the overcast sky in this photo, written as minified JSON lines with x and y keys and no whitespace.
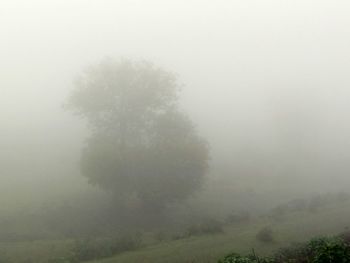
{"x":260,"y":77}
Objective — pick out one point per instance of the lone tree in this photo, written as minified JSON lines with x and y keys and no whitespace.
{"x":142,"y":148}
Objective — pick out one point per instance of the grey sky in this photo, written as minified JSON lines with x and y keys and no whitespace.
{"x":260,"y":77}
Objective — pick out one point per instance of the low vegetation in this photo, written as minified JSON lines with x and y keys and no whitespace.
{"x":202,"y":239}
{"x":319,"y":250}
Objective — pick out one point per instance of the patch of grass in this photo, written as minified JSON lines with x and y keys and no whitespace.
{"x":298,"y":226}
{"x":89,"y":249}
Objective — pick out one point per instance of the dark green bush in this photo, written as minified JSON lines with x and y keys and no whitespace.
{"x":318,"y":250}
{"x":326,"y":250}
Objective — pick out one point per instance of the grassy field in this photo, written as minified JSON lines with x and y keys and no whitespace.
{"x":295,"y":227}
{"x":241,"y":238}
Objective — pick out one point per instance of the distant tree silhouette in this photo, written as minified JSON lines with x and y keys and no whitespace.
{"x":142,"y":148}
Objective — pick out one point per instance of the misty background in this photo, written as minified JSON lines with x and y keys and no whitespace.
{"x":266,"y":83}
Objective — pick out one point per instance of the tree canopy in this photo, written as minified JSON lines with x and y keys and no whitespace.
{"x":142,"y":148}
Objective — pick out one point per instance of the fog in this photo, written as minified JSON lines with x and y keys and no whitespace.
{"x":264,"y":82}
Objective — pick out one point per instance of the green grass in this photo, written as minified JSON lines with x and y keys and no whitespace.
{"x":33,"y":252}
{"x":294,"y":227}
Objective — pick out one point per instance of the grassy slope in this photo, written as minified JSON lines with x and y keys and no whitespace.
{"x":206,"y":249}
{"x":37,"y":251}
{"x":295,"y":227}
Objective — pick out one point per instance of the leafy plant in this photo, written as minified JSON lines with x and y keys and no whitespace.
{"x":318,"y":250}
{"x":326,"y":250}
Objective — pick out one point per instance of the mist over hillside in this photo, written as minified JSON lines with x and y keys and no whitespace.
{"x":262,"y":84}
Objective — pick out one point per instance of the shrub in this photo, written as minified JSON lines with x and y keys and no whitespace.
{"x":318,"y":250}
{"x":326,"y":250}
{"x":265,"y":235}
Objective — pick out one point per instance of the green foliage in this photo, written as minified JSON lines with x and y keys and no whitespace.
{"x":319,"y":250}
{"x":325,"y":250}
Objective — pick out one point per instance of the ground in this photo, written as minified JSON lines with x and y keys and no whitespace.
{"x":241,"y":238}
